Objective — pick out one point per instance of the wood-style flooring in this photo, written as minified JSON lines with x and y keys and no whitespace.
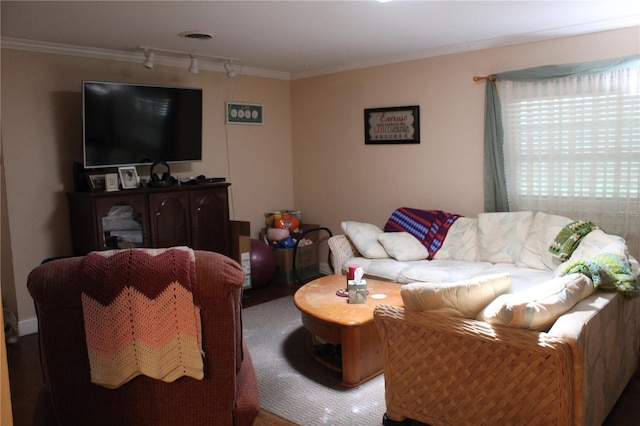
{"x":26,"y":378}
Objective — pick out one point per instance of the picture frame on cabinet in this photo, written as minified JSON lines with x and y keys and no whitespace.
{"x":111,"y":182}
{"x":96,"y":181}
{"x":128,"y":177}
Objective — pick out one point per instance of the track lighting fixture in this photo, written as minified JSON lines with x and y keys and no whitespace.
{"x":230,"y":71}
{"x":193,"y":57}
{"x":193,"y":68}
{"x":148,"y":59}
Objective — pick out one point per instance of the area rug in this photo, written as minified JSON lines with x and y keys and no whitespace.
{"x":293,"y":385}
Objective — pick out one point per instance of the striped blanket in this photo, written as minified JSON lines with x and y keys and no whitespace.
{"x":140,"y":316}
{"x":428,"y":226}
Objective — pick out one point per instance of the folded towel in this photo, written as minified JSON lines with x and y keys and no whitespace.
{"x":569,"y":237}
{"x":140,"y":315}
{"x":608,"y":271}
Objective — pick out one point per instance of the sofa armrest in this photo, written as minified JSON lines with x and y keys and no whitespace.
{"x":444,"y":370}
{"x":603,"y":331}
{"x":341,"y":250}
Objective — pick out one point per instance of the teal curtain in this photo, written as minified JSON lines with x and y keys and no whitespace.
{"x":495,"y":189}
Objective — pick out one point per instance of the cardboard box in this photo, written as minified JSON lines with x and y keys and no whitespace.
{"x":307,"y":265}
{"x":240,"y":247}
{"x":307,"y":260}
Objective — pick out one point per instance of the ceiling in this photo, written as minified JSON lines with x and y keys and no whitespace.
{"x":295,"y":39}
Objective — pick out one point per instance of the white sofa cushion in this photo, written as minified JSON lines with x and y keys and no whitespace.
{"x":441,"y":271}
{"x":521,"y":278}
{"x":364,"y":237}
{"x":460,"y":299}
{"x":502,"y":235}
{"x":538,"y":307}
{"x":461,"y":242}
{"x":403,"y":246}
{"x":535,"y":251}
{"x":596,"y":242}
{"x":379,"y":269}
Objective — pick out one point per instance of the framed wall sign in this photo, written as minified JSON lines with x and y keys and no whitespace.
{"x":392,"y":125}
{"x":244,"y":113}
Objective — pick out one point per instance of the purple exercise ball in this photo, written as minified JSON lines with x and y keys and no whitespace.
{"x":263,"y":264}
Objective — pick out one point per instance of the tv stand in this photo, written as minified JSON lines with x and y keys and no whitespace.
{"x":196,"y":216}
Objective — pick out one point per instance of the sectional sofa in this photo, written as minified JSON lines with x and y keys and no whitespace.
{"x":497,"y":329}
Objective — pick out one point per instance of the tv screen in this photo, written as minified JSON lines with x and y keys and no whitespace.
{"x":131,"y":124}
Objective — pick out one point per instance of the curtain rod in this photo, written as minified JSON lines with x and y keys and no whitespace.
{"x":486,"y":77}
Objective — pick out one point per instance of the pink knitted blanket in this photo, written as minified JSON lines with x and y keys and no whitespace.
{"x":140,"y":316}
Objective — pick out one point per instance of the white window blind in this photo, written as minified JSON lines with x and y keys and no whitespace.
{"x":572,"y":147}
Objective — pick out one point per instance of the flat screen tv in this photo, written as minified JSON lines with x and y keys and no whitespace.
{"x":132,"y":124}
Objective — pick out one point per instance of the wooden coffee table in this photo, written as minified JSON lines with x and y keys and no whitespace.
{"x":332,"y":319}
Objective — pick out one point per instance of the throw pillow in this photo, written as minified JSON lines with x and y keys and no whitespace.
{"x":364,"y":237}
{"x":403,"y":246}
{"x":461,"y":299}
{"x":537,"y":308}
{"x":597,"y":242}
{"x":535,"y":252}
{"x":501,"y":236}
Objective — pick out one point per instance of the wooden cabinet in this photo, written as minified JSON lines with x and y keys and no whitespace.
{"x":170,"y":219}
{"x":209,"y":216}
{"x":193,"y":215}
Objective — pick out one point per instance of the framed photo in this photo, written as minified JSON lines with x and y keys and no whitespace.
{"x":128,"y":177}
{"x":96,"y":181}
{"x":111,"y":182}
{"x":244,"y":113}
{"x":392,"y":125}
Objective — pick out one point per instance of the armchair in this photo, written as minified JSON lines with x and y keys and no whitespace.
{"x":228,"y":394}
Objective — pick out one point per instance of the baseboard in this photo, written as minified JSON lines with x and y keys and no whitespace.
{"x":28,"y":326}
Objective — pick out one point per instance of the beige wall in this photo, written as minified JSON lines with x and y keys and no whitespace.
{"x":337,"y":177}
{"x":42,"y":136}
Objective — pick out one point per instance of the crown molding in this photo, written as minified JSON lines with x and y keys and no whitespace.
{"x":136,"y":56}
{"x":132,"y":56}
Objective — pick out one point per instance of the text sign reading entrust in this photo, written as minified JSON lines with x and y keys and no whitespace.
{"x":394,"y":125}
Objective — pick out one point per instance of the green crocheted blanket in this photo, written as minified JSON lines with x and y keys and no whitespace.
{"x":569,"y":237}
{"x":608,"y":272}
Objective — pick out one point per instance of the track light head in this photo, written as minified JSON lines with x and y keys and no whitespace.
{"x":193,"y":68}
{"x":230,"y":71}
{"x":148,"y":61}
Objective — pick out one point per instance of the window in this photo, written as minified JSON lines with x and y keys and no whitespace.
{"x":572,"y":147}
